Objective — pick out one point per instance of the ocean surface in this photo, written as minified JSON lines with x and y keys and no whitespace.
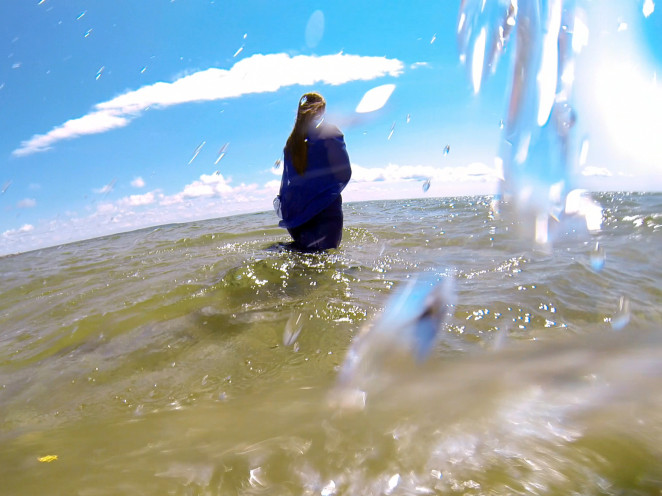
{"x":191,"y":359}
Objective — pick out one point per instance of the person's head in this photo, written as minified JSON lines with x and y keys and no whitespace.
{"x":310,"y":110}
{"x":311,"y":107}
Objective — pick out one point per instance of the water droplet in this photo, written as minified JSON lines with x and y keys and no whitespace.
{"x":390,"y":134}
{"x":447,"y":149}
{"x":598,"y":257}
{"x":408,"y":118}
{"x":622,"y":316}
{"x":241,"y":49}
{"x":315,"y":29}
{"x":426,"y":185}
{"x":329,"y":489}
{"x":477,"y":60}
{"x":5,"y":186}
{"x":278,"y":163}
{"x":501,"y":124}
{"x":221,"y":153}
{"x":87,"y":33}
{"x":565,"y":118}
{"x":292,"y":329}
{"x":256,"y":477}
{"x":100,"y":72}
{"x":583,"y":153}
{"x":434,"y":38}
{"x":393,"y":483}
{"x":375,"y":98}
{"x":648,"y":8}
{"x":196,"y":152}
{"x":81,"y":15}
{"x":142,"y":71}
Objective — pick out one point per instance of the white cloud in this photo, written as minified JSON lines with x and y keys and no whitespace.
{"x":138,"y":182}
{"x":25,"y":228}
{"x":255,"y":74}
{"x":27,"y":203}
{"x":137,"y":200}
{"x":212,"y":196}
{"x":93,"y":123}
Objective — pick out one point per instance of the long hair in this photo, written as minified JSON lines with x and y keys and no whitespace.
{"x":311,"y":106}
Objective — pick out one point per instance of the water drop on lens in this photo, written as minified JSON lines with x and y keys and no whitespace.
{"x":598,"y":257}
{"x":622,"y":316}
{"x":426,"y":185}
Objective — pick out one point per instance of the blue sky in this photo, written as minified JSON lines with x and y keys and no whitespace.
{"x":121,"y":115}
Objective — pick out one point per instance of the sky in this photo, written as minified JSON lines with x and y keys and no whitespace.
{"x":121,"y":115}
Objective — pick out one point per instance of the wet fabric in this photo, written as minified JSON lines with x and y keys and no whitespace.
{"x":322,"y":232}
{"x":328,"y":171}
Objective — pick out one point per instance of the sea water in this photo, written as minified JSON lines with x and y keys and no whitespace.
{"x":191,"y":359}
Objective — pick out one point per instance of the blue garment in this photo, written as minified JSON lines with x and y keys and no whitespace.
{"x":328,"y":171}
{"x":322,"y":232}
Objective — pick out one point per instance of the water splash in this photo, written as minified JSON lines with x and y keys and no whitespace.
{"x":538,"y":149}
{"x":408,"y":327}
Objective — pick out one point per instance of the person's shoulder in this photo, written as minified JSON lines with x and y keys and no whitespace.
{"x":328,"y":131}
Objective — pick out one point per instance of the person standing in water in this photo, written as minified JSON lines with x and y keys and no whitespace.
{"x":316,"y":169}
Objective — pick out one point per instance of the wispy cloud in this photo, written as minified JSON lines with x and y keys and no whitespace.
{"x":255,"y":74}
{"x":474,"y":172}
{"x":25,"y":228}
{"x":106,"y":189}
{"x":27,"y":203}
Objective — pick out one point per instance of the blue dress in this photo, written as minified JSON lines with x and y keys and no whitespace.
{"x":310,"y":204}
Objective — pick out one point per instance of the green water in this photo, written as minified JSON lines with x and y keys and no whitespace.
{"x":158,"y":361}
